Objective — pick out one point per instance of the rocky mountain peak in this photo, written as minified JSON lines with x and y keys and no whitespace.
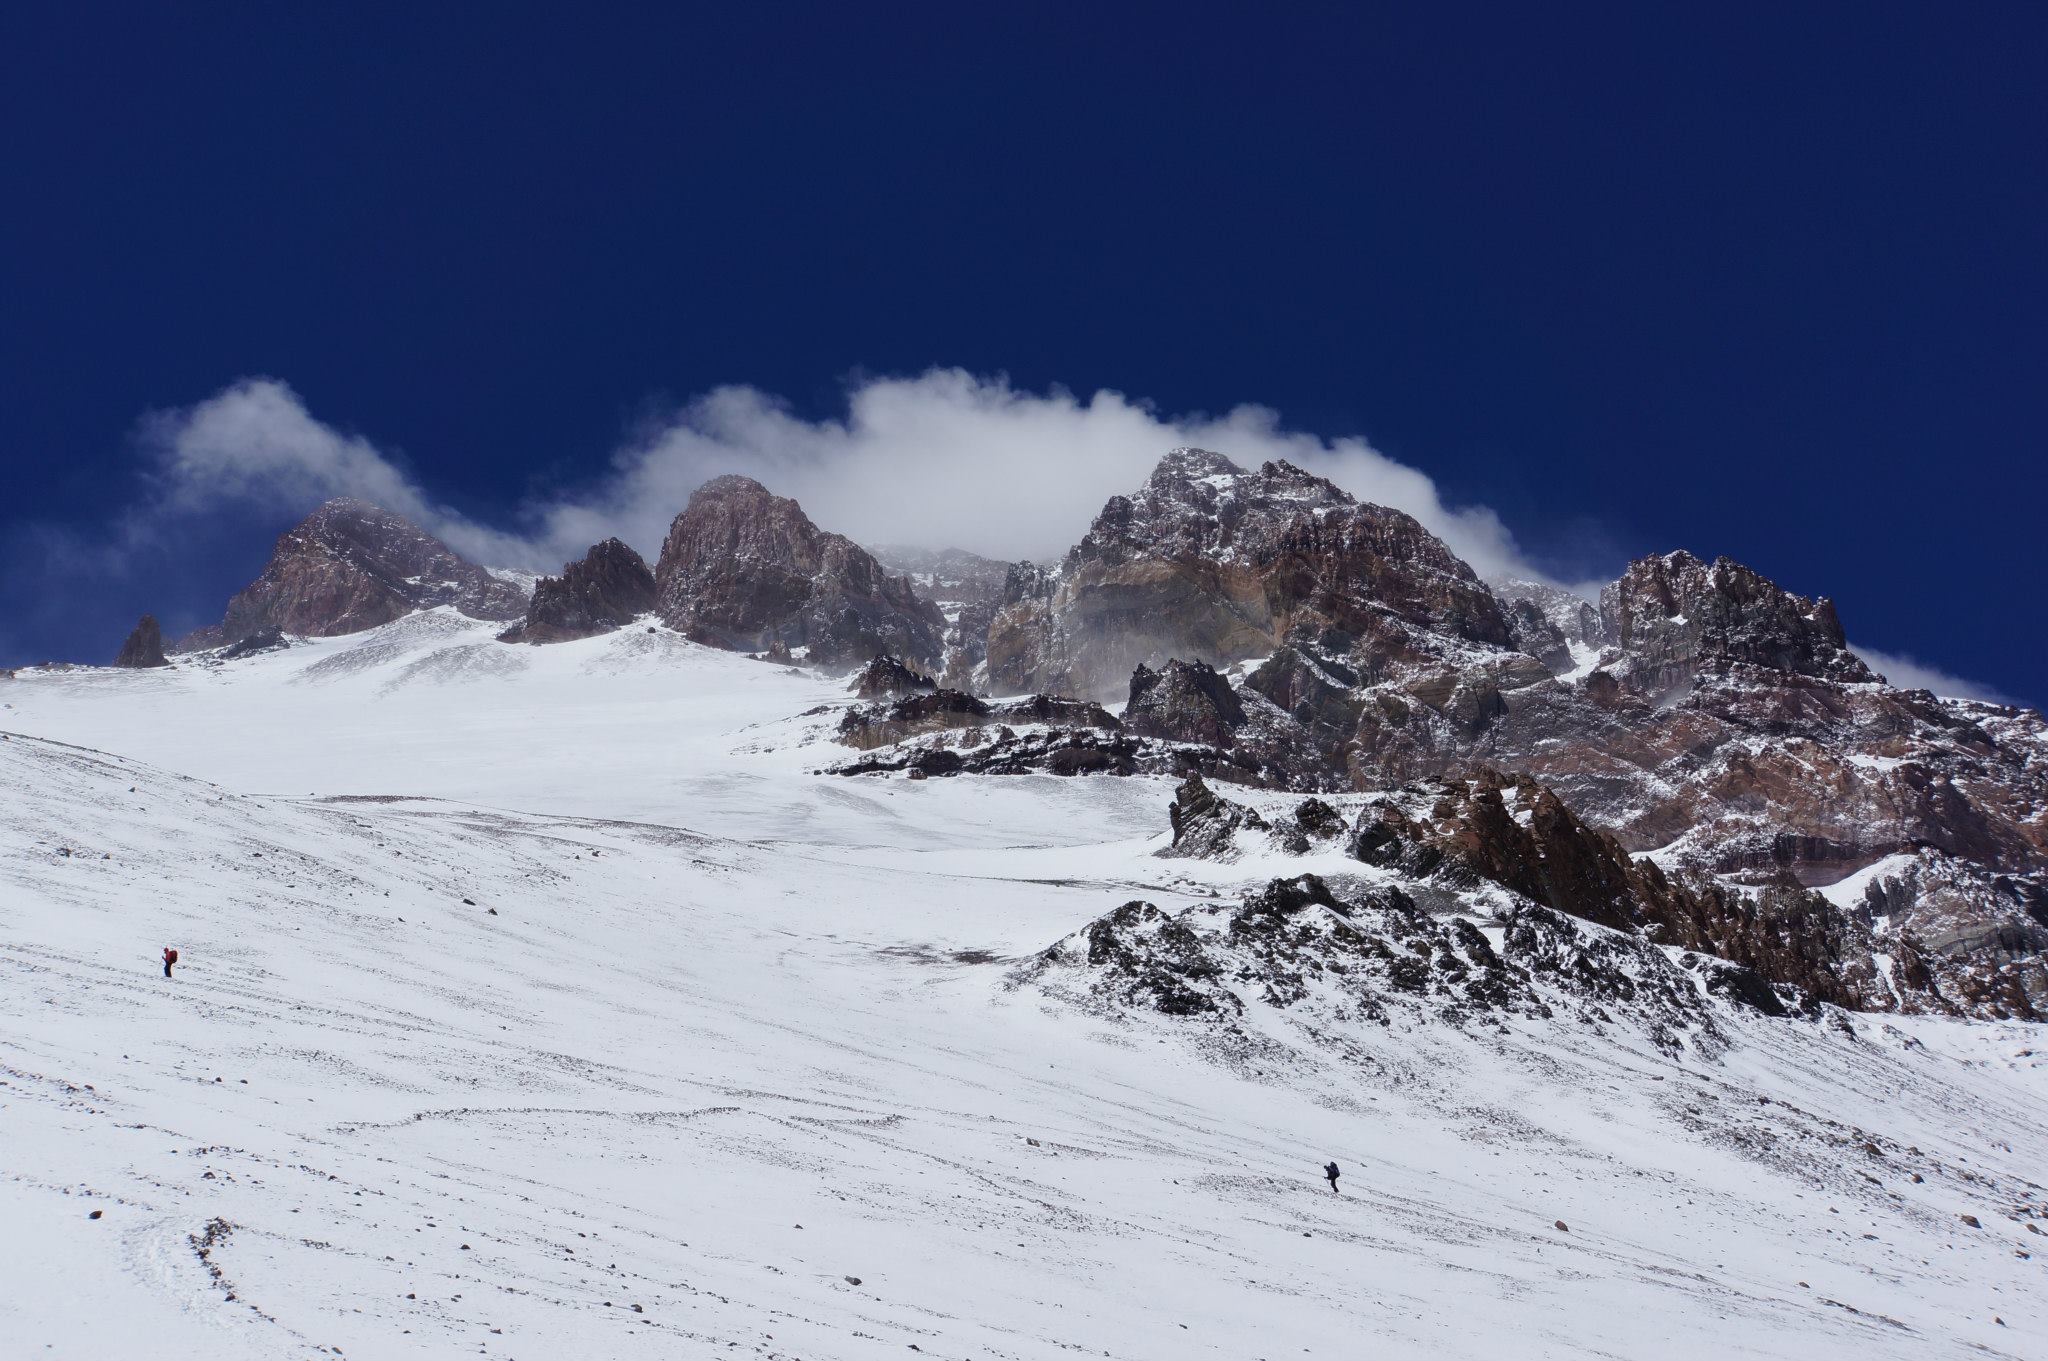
{"x":1210,"y":562}
{"x":1674,"y":616}
{"x":605,"y":589}
{"x":743,"y":568}
{"x":144,"y":647}
{"x":1185,"y":461}
{"x":350,"y":566}
{"x":1196,"y":501}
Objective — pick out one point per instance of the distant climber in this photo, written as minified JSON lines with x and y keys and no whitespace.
{"x":1330,"y":1171}
{"x":170,"y":958}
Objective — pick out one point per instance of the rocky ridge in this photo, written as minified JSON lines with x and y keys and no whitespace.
{"x":1501,"y":840}
{"x":1700,"y":711}
{"x":952,"y":732}
{"x":1672,"y":617}
{"x":1303,"y":950}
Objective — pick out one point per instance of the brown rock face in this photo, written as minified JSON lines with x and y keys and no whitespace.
{"x":1512,"y":831}
{"x":745,"y":569}
{"x":1673,"y":616}
{"x":606,"y":589}
{"x":351,"y":566}
{"x":1216,"y":564}
{"x":145,"y":646}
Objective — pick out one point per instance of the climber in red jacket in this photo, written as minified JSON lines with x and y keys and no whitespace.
{"x":170,"y":958}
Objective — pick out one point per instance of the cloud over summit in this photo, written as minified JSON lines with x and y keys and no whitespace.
{"x":946,"y":456}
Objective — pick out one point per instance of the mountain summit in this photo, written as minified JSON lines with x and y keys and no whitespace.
{"x":1208,"y":561}
{"x":350,"y":566}
{"x":743,"y":568}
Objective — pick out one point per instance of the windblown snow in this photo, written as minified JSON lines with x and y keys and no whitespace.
{"x":545,"y":1001}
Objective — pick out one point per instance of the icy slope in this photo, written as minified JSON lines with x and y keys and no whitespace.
{"x":639,"y":724}
{"x":699,"y":998}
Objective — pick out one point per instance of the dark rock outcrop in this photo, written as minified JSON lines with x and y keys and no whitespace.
{"x":1055,"y":751}
{"x":936,"y":711}
{"x":887,"y":677}
{"x":1206,"y":826}
{"x":264,"y":640}
{"x":144,"y":646}
{"x":745,"y":569}
{"x":1935,"y":937}
{"x":1184,"y":702}
{"x":940,"y":711}
{"x":606,"y":589}
{"x":351,"y":566}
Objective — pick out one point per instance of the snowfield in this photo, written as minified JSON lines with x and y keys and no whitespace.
{"x":545,"y":1001}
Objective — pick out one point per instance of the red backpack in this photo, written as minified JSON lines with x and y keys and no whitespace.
{"x":170,"y":955}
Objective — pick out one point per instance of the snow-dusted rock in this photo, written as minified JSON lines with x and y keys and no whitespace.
{"x":1212,"y":563}
{"x":1672,"y":616}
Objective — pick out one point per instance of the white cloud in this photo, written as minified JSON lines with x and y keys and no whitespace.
{"x":1908,"y":674}
{"x":944,"y":456}
{"x":254,"y":442}
{"x":979,"y":464}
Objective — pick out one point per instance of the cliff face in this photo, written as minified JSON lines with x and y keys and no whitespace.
{"x":351,"y":566}
{"x":1673,"y":616}
{"x":605,"y":589}
{"x":747,"y":570}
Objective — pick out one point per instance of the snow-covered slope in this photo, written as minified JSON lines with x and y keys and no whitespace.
{"x":542,"y":1002}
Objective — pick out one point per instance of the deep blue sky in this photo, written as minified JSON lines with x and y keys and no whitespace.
{"x":1767,"y":282}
